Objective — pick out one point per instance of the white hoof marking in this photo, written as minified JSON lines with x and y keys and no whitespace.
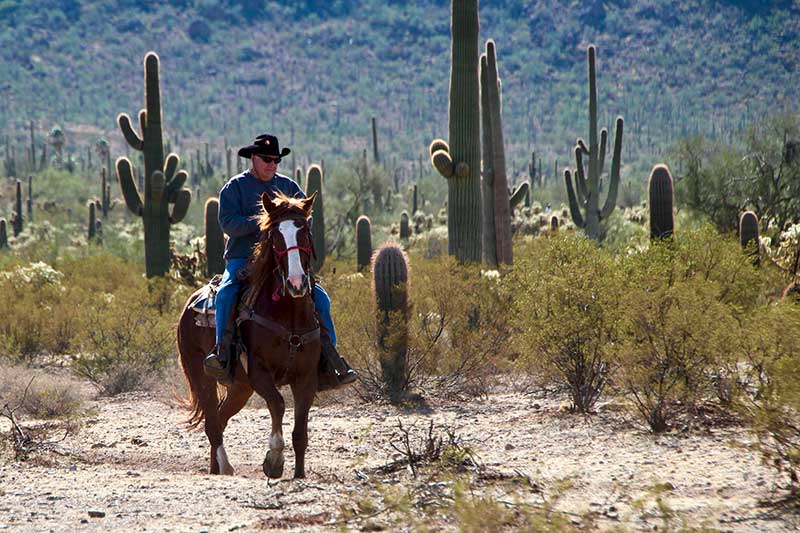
{"x":225,"y":467}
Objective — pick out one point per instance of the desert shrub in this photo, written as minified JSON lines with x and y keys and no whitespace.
{"x":565,"y":293}
{"x":458,"y":328}
{"x":769,"y":389}
{"x":35,"y":323}
{"x":131,"y":337}
{"x":677,"y":328}
{"x":39,"y":394}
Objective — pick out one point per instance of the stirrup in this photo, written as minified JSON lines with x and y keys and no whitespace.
{"x":216,"y":368}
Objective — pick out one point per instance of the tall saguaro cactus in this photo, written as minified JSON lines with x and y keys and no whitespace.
{"x":661,"y":198}
{"x":496,"y":231}
{"x":314,"y":184}
{"x":215,"y":239}
{"x":459,"y":161}
{"x":163,"y":182}
{"x":584,"y":198}
{"x":16,"y":217}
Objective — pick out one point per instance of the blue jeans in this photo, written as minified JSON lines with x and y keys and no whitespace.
{"x":230,"y":288}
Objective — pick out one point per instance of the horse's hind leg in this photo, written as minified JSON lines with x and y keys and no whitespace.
{"x":219,"y":463}
{"x":234,"y":401}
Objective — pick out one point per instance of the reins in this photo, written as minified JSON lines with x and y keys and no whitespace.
{"x":294,"y":339}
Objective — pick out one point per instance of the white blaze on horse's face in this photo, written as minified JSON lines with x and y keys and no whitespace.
{"x":296,"y":276}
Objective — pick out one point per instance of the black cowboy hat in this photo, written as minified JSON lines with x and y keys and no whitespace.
{"x":264,"y":144}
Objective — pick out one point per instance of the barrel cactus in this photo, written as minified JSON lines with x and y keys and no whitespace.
{"x":314,"y":185}
{"x":661,"y":197}
{"x":363,"y":242}
{"x":584,"y":198}
{"x":748,"y":235}
{"x":459,"y":159}
{"x":390,"y":284}
{"x":215,"y":239}
{"x":163,"y":182}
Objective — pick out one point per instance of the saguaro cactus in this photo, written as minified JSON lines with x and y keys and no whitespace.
{"x":459,"y":161}
{"x":496,"y":232}
{"x":748,"y":235}
{"x":16,"y":217}
{"x":30,"y":198}
{"x":314,"y":185}
{"x":405,"y":227}
{"x":363,"y":242}
{"x":3,"y":234}
{"x":92,"y":222}
{"x":585,"y":197}
{"x":215,"y":239}
{"x":390,"y":283}
{"x":661,"y":198}
{"x":375,"y":153}
{"x":163,"y":182}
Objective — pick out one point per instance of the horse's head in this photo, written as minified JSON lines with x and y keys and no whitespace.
{"x":286,"y":237}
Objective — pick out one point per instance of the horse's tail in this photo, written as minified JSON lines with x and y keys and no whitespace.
{"x":194,"y":375}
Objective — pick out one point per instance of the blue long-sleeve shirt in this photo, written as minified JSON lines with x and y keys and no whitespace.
{"x":240,"y":205}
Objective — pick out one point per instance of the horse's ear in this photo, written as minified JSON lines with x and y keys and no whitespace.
{"x":309,"y":203}
{"x":270,"y":204}
{"x":266,"y":202}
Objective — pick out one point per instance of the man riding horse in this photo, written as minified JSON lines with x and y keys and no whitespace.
{"x":239,"y":206}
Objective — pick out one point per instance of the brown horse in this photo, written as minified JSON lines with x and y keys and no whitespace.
{"x":281,"y":335}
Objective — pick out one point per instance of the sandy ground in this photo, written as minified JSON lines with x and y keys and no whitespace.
{"x":132,"y":466}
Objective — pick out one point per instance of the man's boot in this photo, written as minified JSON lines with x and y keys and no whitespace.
{"x":334,"y":372}
{"x":217,"y":364}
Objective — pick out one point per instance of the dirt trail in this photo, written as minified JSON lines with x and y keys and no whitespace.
{"x":133,"y":463}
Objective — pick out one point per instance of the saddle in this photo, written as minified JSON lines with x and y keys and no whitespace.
{"x":204,"y":304}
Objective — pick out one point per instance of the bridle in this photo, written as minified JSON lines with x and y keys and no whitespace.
{"x":294,"y":339}
{"x":279,"y":271}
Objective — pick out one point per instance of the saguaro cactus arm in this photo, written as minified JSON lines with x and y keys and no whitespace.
{"x":613,"y":186}
{"x":574,"y":207}
{"x":441,"y":159}
{"x":183,"y":198}
{"x":124,"y":121}
{"x":127,"y":184}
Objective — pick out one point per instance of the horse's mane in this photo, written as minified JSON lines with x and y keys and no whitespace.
{"x":262,"y":263}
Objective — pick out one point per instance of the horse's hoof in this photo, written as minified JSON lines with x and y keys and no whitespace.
{"x":299,"y":475}
{"x":273,"y":468}
{"x":227,"y":471}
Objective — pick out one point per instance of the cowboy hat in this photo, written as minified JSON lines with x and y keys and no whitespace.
{"x":264,"y":144}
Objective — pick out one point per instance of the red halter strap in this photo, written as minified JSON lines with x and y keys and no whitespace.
{"x":282,"y":253}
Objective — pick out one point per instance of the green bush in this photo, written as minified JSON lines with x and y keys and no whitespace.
{"x":456,"y":341}
{"x":565,"y":293}
{"x":769,"y":386}
{"x":680,"y":307}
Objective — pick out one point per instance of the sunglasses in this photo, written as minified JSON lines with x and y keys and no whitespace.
{"x":268,"y":159}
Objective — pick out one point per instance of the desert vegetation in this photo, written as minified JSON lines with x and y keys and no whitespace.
{"x":652,"y":273}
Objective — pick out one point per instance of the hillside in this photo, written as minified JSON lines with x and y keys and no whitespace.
{"x":315,"y":72}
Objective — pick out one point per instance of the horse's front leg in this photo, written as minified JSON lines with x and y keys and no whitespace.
{"x":303,"y":398}
{"x":262,"y":382}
